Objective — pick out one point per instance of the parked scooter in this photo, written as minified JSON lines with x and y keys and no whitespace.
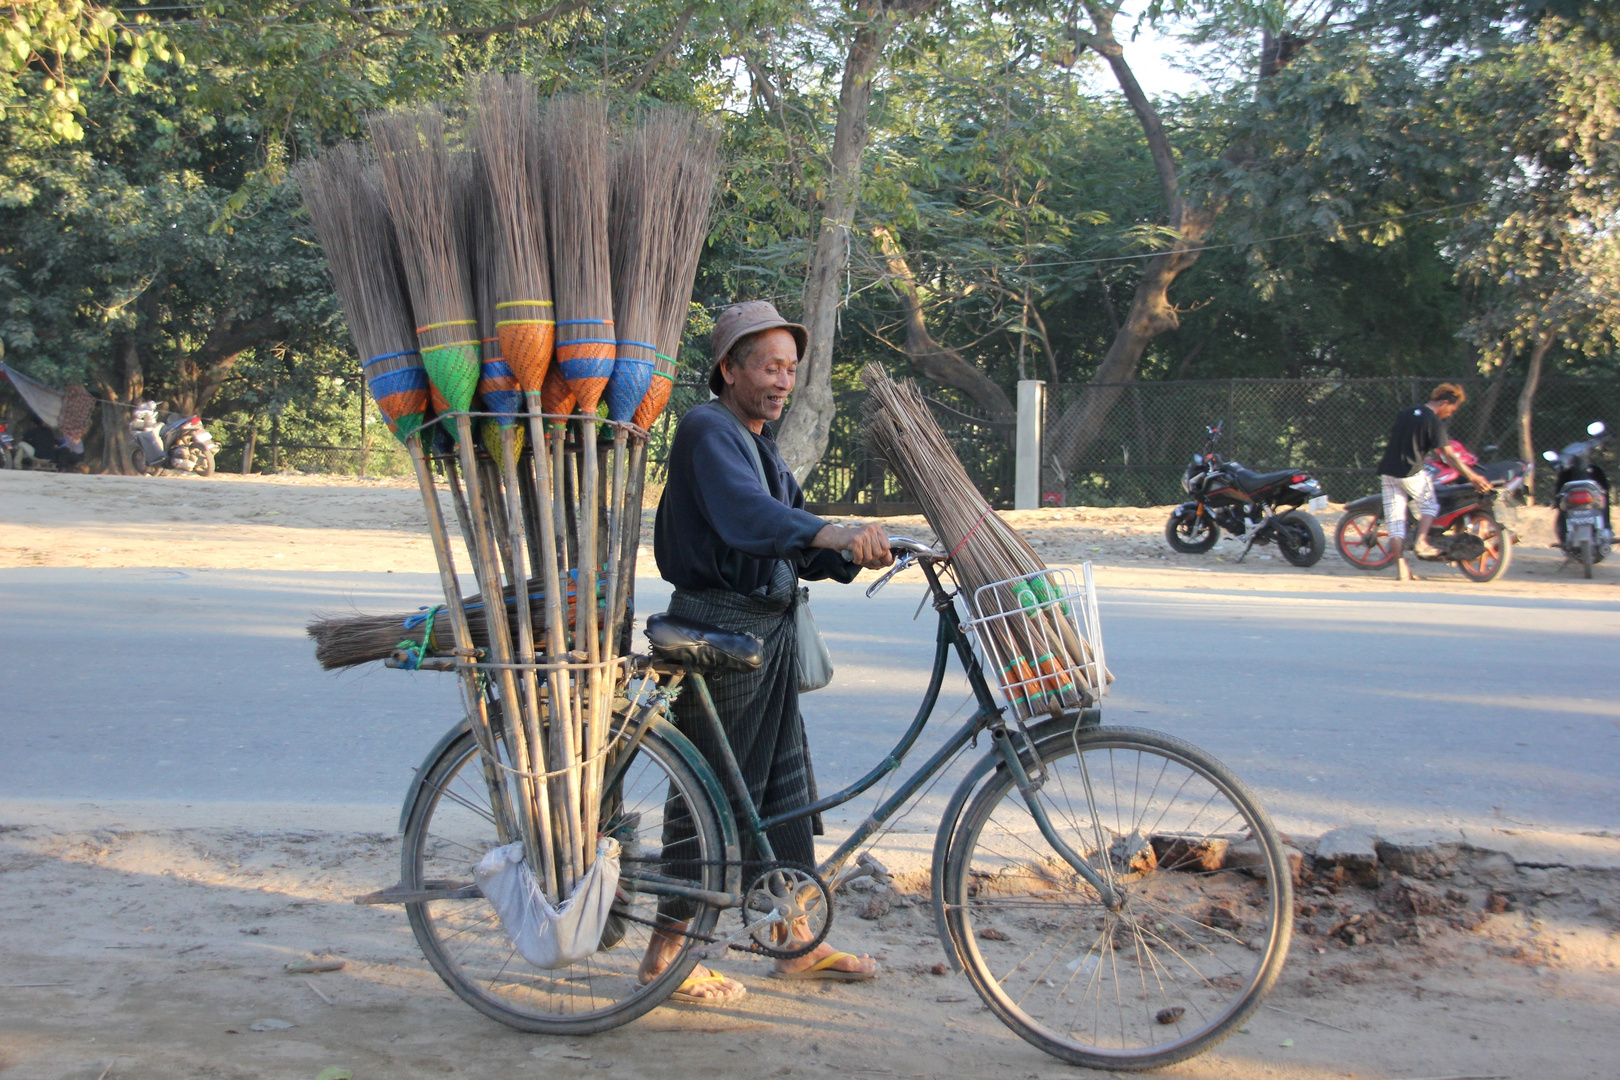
{"x":175,"y":442}
{"x":1227,"y":496}
{"x":1583,"y":528}
{"x":1466,"y":532}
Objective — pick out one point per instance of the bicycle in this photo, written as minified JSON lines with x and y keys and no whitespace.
{"x":1141,"y":897}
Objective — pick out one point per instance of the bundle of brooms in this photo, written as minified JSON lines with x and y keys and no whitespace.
{"x":1023,"y":614}
{"x":485,"y":240}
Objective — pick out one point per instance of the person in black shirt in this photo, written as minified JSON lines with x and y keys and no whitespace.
{"x":1418,"y":432}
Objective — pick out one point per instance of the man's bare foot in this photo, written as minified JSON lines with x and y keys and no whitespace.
{"x":700,"y":985}
{"x":855,"y":965}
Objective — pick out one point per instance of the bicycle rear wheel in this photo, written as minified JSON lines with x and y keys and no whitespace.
{"x":1195,"y":945}
{"x":452,"y":826}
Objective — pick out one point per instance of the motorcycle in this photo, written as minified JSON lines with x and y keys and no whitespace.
{"x":1465,"y":533}
{"x":1583,"y":528}
{"x":6,"y":444}
{"x":176,"y":442}
{"x":1227,"y":496}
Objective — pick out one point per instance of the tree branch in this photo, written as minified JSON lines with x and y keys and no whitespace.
{"x":669,"y":46}
{"x":933,"y":361}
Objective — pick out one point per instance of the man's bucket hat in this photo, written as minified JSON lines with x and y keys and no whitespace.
{"x":737,"y":322}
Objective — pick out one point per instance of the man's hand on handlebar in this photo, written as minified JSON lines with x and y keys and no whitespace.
{"x":868,"y":545}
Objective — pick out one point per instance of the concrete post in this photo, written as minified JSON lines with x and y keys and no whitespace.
{"x":1027,"y":471}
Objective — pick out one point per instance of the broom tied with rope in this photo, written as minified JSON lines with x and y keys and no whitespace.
{"x":343,"y":192}
{"x":428,"y":190}
{"x":1023,"y":612}
{"x":540,"y":277}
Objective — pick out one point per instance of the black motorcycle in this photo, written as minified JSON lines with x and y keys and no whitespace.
{"x":1583,"y":528}
{"x":1227,"y":496}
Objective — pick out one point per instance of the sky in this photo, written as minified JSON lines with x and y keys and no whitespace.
{"x":1151,"y":57}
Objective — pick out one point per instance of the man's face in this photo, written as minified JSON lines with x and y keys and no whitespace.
{"x":760,"y":387}
{"x":1445,"y":409}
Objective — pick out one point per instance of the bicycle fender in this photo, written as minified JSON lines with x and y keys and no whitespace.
{"x":1051,"y":728}
{"x":706,"y":776}
{"x":414,"y":792}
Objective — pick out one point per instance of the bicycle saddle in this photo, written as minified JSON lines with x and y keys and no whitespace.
{"x":698,"y":645}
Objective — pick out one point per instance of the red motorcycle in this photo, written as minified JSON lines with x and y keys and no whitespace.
{"x":1466,"y":532}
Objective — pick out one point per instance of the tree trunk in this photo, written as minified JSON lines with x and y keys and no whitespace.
{"x":930,"y":359}
{"x":802,"y":436}
{"x":1493,"y":394}
{"x":1527,"y":397}
{"x":1151,"y":312}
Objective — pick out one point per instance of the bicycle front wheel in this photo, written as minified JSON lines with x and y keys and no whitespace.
{"x":665,"y":824}
{"x":1203,"y":929}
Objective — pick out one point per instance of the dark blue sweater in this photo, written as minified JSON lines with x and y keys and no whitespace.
{"x":717,"y":528}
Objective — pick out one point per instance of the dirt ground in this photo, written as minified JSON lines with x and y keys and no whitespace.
{"x":146,"y":940}
{"x":322,"y":523}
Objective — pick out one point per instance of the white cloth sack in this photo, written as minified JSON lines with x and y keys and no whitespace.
{"x":550,"y":937}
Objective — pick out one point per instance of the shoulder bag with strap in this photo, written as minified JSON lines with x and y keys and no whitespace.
{"x":815,"y":662}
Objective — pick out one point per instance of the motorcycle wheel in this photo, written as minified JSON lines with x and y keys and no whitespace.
{"x":1192,"y":536}
{"x":1498,"y":548}
{"x":202,"y":462}
{"x":1363,"y":540}
{"x":1293,"y":524}
{"x":1586,"y":557}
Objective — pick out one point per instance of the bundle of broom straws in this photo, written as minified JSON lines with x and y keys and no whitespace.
{"x":517,"y":288}
{"x":1026,"y":617}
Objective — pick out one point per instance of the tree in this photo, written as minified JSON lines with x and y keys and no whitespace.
{"x":1543,"y":242}
{"x":803,"y":433}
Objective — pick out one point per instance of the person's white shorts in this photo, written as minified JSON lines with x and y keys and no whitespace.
{"x":1400,"y":490}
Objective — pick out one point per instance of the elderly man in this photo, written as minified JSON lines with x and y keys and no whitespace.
{"x":735,"y":549}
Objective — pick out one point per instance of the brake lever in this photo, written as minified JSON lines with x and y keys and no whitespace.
{"x":906,"y":559}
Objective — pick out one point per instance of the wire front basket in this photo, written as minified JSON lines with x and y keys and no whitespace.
{"x":1040,"y":636}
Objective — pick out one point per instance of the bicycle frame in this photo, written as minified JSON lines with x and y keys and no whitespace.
{"x":988,"y":717}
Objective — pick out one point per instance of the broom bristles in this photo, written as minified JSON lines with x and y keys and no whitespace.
{"x":576,"y":173}
{"x":342,"y":192}
{"x":424,"y":199}
{"x":1037,"y":645}
{"x":641,"y":228}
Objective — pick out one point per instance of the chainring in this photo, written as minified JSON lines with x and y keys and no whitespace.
{"x":802,"y":893}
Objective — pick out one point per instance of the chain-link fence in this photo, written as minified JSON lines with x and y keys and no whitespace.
{"x":1128,"y":444}
{"x":241,"y":451}
{"x":1119,"y":445}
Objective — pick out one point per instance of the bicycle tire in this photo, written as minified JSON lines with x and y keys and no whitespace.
{"x":1217,"y":906}
{"x":463,"y":939}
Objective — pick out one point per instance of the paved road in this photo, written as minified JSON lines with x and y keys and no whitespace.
{"x":1467,"y":709}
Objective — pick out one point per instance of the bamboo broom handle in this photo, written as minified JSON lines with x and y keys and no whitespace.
{"x":556,"y":601}
{"x":565,"y":727}
{"x":587,"y":612}
{"x":518,"y":553}
{"x":616,"y":530}
{"x":500,"y":638}
{"x":631,"y":542}
{"x":477,"y":711}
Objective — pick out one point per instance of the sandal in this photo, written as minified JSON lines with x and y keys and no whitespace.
{"x":683,"y":994}
{"x":823,"y":969}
